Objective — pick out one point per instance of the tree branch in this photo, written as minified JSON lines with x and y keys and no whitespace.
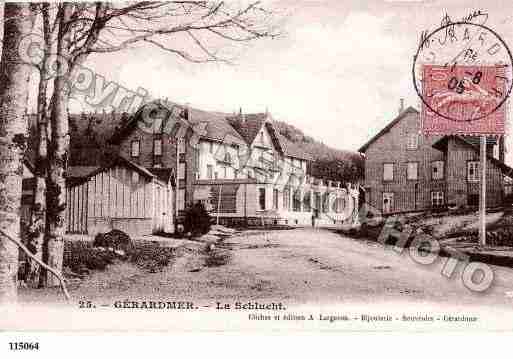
{"x":38,"y":261}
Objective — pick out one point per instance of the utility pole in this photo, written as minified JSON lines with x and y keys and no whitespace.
{"x":482,"y":198}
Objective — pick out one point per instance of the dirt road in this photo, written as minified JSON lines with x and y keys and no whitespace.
{"x":298,"y":266}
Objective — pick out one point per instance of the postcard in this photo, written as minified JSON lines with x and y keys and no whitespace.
{"x":269,"y":166}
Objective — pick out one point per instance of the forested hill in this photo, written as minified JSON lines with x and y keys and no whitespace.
{"x":330,"y":163}
{"x":90,"y":133}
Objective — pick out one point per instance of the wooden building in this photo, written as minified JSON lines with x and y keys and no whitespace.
{"x":240,"y":166}
{"x":406,"y":171}
{"x":121,"y":195}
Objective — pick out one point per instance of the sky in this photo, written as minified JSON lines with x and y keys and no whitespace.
{"x":337,"y":72}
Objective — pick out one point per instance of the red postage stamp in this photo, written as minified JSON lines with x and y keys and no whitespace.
{"x":463,"y":100}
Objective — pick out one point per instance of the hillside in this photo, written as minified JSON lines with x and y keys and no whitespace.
{"x":330,"y":163}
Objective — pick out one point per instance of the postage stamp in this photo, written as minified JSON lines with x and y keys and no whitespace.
{"x":256,"y":166}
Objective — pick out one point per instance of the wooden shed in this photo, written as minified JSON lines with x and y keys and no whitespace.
{"x":121,"y":195}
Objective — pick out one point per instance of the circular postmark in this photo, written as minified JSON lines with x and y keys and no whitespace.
{"x":461,"y":71}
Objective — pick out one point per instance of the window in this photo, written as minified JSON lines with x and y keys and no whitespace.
{"x":134,"y":150}
{"x":473,"y":171}
{"x":413,"y":141}
{"x":495,"y":151}
{"x":135,"y":177}
{"x":275,"y":198}
{"x":211,"y":147}
{"x":210,"y":172}
{"x":227,"y":157}
{"x":181,"y":171}
{"x":306,"y":202}
{"x":412,"y":172}
{"x":437,"y":170}
{"x":261,"y":199}
{"x":225,"y":171}
{"x":157,"y":162}
{"x":296,"y":201}
{"x":437,"y":199}
{"x":181,"y":199}
{"x":472,"y":199}
{"x":388,"y":202}
{"x":262,"y":137}
{"x":388,"y":171}
{"x":286,"y":198}
{"x":181,"y":146}
{"x":157,"y":147}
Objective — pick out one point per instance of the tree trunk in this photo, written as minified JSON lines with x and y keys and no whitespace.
{"x":14,"y":78}
{"x":58,"y":154}
{"x":38,"y":218}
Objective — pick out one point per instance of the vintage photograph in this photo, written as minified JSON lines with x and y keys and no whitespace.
{"x":261,"y":165}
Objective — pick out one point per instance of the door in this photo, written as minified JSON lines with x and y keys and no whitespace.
{"x":388,"y":202}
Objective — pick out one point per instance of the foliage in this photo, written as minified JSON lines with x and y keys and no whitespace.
{"x":197,"y":220}
{"x":116,"y":239}
{"x":151,"y":257}
{"x":81,"y":257}
{"x":329,"y":163}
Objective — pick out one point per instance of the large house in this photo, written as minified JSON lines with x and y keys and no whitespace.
{"x":406,"y":171}
{"x":239,"y":166}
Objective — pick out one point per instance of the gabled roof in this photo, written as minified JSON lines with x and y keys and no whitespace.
{"x":290,"y":149}
{"x":223,"y":128}
{"x":248,"y":125}
{"x":216,"y":128}
{"x":387,"y":128}
{"x":75,"y":176}
{"x":442,"y":145}
{"x":80,"y":171}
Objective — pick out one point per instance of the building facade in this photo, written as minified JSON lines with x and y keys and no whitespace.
{"x":239,"y":166}
{"x":406,"y":171}
{"x":120,"y":195}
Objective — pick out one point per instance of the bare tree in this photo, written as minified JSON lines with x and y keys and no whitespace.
{"x":191,"y":30}
{"x":14,"y":77}
{"x":37,"y":227}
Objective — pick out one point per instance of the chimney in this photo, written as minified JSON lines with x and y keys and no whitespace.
{"x":241,"y":115}
{"x":401,"y":105}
